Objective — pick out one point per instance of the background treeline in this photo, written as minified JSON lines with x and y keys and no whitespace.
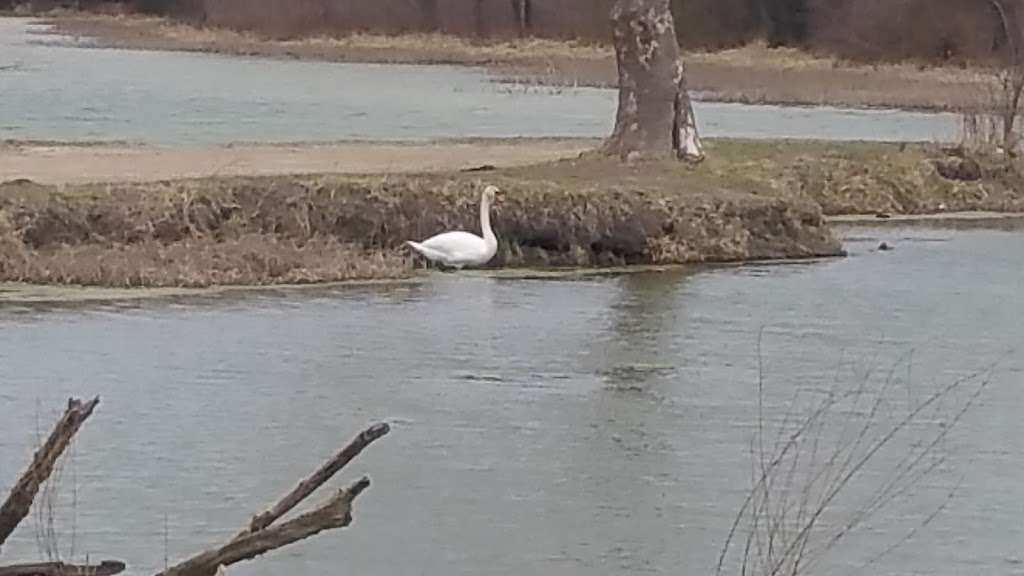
{"x":856,"y":29}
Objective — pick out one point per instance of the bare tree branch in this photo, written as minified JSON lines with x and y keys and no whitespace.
{"x":786,"y":536}
{"x":19,"y":502}
{"x":317,"y":479}
{"x":335,"y":513}
{"x":263,"y":534}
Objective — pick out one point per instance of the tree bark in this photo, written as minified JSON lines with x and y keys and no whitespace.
{"x":335,"y":513}
{"x":19,"y":502}
{"x":317,"y":479}
{"x":264,"y":534}
{"x":655,"y":115}
{"x":522,"y":11}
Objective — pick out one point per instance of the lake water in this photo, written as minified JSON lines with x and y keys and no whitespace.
{"x":573,"y":425}
{"x":581,"y":425}
{"x":68,"y":93}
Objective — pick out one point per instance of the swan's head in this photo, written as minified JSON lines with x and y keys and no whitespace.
{"x":492,"y":193}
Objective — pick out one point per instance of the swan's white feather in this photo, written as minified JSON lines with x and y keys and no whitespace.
{"x":456,"y":249}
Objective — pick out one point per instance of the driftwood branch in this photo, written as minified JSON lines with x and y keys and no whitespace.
{"x":317,"y":479}
{"x":105,"y":568}
{"x":19,"y":502}
{"x":335,"y":513}
{"x":264,"y":533}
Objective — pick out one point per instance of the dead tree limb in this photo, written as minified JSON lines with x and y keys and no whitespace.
{"x":317,"y":479}
{"x":105,"y":568}
{"x":335,"y":513}
{"x":19,"y":502}
{"x":263,"y":534}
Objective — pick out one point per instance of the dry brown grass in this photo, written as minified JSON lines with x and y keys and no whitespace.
{"x":748,"y":200}
{"x":250,"y":260}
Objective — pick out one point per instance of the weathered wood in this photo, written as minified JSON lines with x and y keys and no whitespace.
{"x":655,"y":116}
{"x":335,"y":513}
{"x":105,"y":568}
{"x":317,"y":479}
{"x":18,"y":504}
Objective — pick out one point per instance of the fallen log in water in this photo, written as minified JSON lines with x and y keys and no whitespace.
{"x":335,"y":513}
{"x":317,"y":479}
{"x":105,"y":568}
{"x":262,"y":535}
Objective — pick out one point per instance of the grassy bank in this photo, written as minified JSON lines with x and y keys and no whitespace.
{"x":753,"y":74}
{"x":749,"y":200}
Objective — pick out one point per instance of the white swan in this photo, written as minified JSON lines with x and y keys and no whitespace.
{"x":459,"y":249}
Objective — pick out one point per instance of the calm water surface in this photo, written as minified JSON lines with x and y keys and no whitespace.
{"x":574,"y":426}
{"x":76,"y":93}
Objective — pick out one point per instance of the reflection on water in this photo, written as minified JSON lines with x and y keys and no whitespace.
{"x":594,"y":425}
{"x":641,"y":317}
{"x":174,"y":98}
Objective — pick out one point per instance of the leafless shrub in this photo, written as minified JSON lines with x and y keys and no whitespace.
{"x":836,"y":460}
{"x":993,"y":124}
{"x":1010,"y":77}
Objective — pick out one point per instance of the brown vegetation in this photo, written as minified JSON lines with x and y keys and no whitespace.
{"x":872,"y":30}
{"x":310,"y":229}
{"x":748,"y":200}
{"x":871,"y":433}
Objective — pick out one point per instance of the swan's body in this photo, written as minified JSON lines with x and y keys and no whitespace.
{"x":460,"y":249}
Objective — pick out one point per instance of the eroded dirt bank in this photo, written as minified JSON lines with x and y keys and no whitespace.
{"x":296,"y":230}
{"x":749,"y":200}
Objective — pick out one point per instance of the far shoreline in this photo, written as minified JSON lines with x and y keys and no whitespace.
{"x":752,"y":74}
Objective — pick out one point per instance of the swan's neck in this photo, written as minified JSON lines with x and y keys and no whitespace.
{"x":485,"y":222}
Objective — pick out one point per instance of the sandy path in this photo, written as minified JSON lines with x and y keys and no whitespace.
{"x":57,"y":164}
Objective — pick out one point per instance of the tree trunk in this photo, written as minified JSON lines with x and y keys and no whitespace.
{"x":522,"y":10}
{"x":655,"y":116}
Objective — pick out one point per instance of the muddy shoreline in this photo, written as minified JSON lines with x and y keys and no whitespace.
{"x":750,"y":200}
{"x":62,"y":163}
{"x":753,"y":74}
